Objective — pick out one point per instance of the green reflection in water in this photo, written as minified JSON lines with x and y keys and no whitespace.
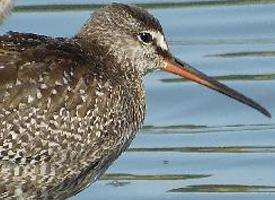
{"x":227,"y":41}
{"x":173,"y":127}
{"x":227,"y":149}
{"x":225,"y":188}
{"x":68,"y":7}
{"x":122,"y":176}
{"x":258,"y":77}
{"x":245,"y":54}
{"x":192,"y":129}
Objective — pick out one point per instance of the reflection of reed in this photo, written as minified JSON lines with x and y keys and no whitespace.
{"x":191,"y":129}
{"x":122,"y":176}
{"x":225,"y":188}
{"x":237,"y":77}
{"x":245,"y":54}
{"x":66,"y":7}
{"x":228,"y":149}
{"x":226,"y":41}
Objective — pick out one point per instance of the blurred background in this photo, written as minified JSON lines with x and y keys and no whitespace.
{"x":195,"y":144}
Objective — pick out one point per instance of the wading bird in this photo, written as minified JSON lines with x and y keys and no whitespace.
{"x":70,"y":106}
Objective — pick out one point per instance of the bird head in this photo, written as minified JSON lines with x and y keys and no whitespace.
{"x":136,"y":39}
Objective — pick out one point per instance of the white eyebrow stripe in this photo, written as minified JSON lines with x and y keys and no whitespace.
{"x":159,"y":39}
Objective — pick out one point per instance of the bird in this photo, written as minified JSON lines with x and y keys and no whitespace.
{"x":69,"y":107}
{"x":5,"y":8}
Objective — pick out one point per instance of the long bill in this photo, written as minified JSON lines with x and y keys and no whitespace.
{"x":183,"y":69}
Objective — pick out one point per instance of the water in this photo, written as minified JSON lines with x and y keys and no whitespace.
{"x":196,"y":144}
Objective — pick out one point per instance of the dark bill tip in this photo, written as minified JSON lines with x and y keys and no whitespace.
{"x":185,"y":70}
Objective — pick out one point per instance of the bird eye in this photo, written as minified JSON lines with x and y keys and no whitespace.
{"x":145,"y":37}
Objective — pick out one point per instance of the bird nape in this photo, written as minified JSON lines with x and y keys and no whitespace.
{"x":70,"y":106}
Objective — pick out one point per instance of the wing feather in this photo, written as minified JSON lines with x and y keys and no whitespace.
{"x":41,"y":80}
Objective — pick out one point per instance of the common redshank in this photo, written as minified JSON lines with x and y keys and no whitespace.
{"x":71,"y":106}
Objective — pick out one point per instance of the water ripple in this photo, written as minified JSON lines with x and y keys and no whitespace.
{"x":226,"y":41}
{"x":123,"y":176}
{"x":222,"y":149}
{"x":225,"y":188}
{"x":191,"y":129}
{"x":245,"y":54}
{"x":149,"y":5}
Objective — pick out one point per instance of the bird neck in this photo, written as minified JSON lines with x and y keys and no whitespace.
{"x":116,"y":59}
{"x":106,"y":65}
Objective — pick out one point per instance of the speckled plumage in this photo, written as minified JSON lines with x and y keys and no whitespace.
{"x":68,"y":109}
{"x":70,"y":106}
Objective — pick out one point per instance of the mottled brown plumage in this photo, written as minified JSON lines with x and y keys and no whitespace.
{"x":56,"y":98}
{"x":58,"y":101}
{"x":70,"y":106}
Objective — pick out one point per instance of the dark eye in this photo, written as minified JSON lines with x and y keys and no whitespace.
{"x":145,"y":37}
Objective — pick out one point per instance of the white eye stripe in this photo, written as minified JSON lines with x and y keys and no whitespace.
{"x":159,"y":39}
